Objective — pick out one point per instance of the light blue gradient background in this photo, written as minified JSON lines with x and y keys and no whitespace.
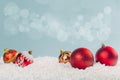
{"x":66,"y":11}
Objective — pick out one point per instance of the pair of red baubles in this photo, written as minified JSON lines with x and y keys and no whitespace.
{"x":82,"y":58}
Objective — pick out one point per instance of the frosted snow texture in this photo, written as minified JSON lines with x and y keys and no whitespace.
{"x":48,"y":68}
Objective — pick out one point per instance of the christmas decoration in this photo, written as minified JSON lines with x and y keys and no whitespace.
{"x":64,"y":56}
{"x":107,"y":55}
{"x":9,"y":55}
{"x":81,"y":58}
{"x":24,"y":58}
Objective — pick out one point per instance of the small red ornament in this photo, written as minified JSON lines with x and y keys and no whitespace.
{"x":9,"y":55}
{"x":81,"y":58}
{"x":24,"y":58}
{"x":107,"y":55}
{"x":64,"y":56}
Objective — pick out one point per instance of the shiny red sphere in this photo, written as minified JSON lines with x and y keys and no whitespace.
{"x":107,"y":55}
{"x":81,"y":58}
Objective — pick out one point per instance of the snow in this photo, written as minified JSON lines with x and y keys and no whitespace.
{"x":48,"y":68}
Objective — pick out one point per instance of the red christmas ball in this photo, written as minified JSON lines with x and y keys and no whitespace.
{"x":10,"y":55}
{"x":107,"y":55}
{"x":81,"y":58}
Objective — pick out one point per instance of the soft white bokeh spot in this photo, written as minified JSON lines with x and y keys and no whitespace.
{"x":11,"y":9}
{"x":107,"y":10}
{"x":24,"y":13}
{"x":23,"y":20}
{"x":100,"y":16}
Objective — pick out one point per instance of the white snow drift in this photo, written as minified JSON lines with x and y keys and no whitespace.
{"x":48,"y":68}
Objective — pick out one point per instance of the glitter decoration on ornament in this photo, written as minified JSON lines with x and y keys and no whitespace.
{"x":24,"y":58}
{"x":9,"y":55}
{"x":64,"y":56}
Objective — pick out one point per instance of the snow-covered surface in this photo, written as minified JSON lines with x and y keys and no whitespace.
{"x":48,"y":68}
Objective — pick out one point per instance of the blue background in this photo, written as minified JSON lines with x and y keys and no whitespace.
{"x":46,"y":26}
